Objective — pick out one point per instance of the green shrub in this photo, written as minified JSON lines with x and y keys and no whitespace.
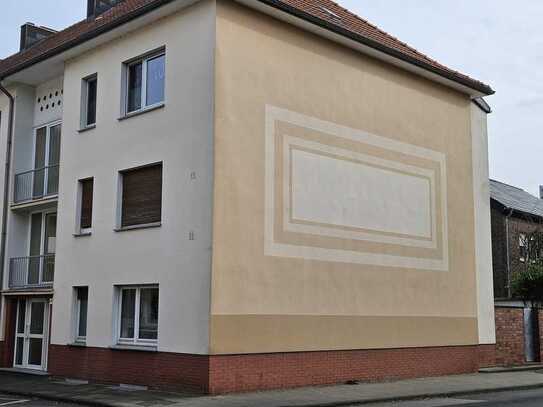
{"x":528,"y":285}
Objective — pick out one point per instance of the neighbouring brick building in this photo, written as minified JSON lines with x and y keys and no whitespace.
{"x":235,"y":195}
{"x":515,"y":216}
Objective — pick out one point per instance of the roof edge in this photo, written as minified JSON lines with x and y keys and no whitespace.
{"x":472,"y":84}
{"x":475,"y":85}
{"x":85,"y":37}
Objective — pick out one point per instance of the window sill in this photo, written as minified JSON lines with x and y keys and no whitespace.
{"x":86,"y":128}
{"x":78,"y":344}
{"x":142,"y":111}
{"x":137,"y":227}
{"x":137,"y":348}
{"x":82,"y":234}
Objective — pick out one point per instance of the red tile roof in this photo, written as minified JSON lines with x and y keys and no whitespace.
{"x":325,"y":13}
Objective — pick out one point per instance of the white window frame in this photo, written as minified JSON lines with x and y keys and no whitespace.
{"x":136,"y":340}
{"x":79,"y":207}
{"x":85,"y":101}
{"x":143,"y":59}
{"x":47,"y":127}
{"x":119,"y":207}
{"x":522,"y":239}
{"x":77,"y":314}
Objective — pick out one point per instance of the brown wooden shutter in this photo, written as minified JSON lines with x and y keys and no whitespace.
{"x":142,"y":196}
{"x":87,"y":187}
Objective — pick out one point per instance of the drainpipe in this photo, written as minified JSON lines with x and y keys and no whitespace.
{"x":6,"y":185}
{"x":507,"y":252}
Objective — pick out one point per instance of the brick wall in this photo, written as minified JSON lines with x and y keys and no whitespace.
{"x":239,"y":373}
{"x":499,"y":253}
{"x":153,"y":369}
{"x":540,"y":335}
{"x":517,"y":225}
{"x":7,"y":346}
{"x":487,"y":356}
{"x":509,"y":336}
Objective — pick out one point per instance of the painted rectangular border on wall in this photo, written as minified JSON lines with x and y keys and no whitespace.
{"x":400,"y":203}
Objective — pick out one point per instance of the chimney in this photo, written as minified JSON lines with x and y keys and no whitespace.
{"x":31,"y":34}
{"x":541,"y":192}
{"x":97,"y":7}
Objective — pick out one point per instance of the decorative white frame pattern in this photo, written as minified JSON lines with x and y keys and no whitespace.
{"x":284,"y":249}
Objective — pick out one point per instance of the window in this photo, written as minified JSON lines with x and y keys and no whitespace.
{"x":86,"y":188}
{"x":145,"y":78}
{"x":141,"y":196}
{"x":81,"y":306}
{"x":138,"y":315}
{"x":88,"y":106}
{"x":523,"y":247}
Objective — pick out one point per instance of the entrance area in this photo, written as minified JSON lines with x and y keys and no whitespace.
{"x":31,"y":333}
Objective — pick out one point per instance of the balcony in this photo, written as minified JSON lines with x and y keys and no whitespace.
{"x":32,"y":272}
{"x":36,"y":184}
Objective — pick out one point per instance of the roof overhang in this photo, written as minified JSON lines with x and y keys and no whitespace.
{"x":364,"y":45}
{"x":51,"y":64}
{"x":508,"y":211}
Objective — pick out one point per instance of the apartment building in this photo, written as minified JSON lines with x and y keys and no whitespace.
{"x":238,"y":195}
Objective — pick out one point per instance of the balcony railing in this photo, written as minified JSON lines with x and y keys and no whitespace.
{"x":36,"y":184}
{"x":32,"y":272}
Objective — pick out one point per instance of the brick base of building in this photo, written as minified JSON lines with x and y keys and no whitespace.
{"x":219,"y":374}
{"x":7,"y":345}
{"x":153,"y":369}
{"x":487,"y":356}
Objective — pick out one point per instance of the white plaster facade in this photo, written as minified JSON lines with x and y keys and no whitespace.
{"x":177,"y":256}
{"x":180,"y":135}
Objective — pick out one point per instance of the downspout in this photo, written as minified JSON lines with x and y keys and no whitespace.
{"x":507,"y":252}
{"x":6,"y":186}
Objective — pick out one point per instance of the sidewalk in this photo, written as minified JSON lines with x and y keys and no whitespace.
{"x":342,"y":395}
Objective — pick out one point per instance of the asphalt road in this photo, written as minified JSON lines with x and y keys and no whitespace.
{"x":530,"y":398}
{"x":14,"y":401}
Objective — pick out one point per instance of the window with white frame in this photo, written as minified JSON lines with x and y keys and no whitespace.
{"x":523,"y":247}
{"x":88,"y":101}
{"x":81,"y":306}
{"x":144,"y":82}
{"x":140,"y":194}
{"x":85,"y":202}
{"x":138,"y":315}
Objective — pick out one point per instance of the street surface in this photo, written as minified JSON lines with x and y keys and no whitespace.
{"x":529,"y":398}
{"x":15,"y":401}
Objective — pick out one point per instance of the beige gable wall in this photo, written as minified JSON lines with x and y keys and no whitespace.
{"x":294,"y":111}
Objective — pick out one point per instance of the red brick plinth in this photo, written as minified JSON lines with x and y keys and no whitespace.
{"x":239,"y":373}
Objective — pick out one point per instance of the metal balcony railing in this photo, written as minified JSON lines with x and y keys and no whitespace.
{"x":36,"y":184}
{"x":32,"y":272}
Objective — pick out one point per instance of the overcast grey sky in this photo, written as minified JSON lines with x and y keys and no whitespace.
{"x":497,"y":41}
